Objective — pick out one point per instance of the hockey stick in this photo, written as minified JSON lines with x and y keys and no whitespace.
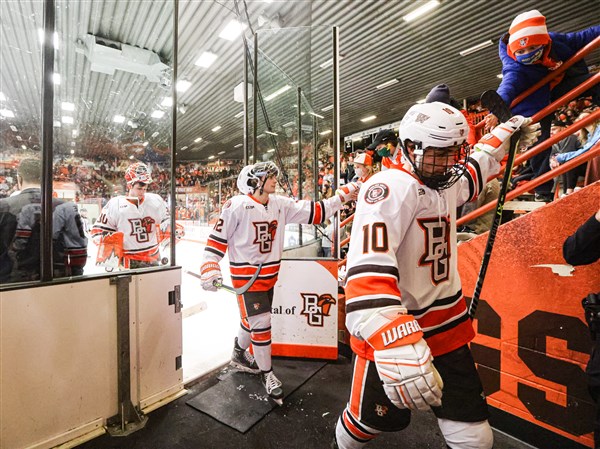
{"x":492,"y":101}
{"x":237,"y":291}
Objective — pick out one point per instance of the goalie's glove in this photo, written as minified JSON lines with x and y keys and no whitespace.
{"x":210,"y":274}
{"x":496,"y":142}
{"x":348,"y":192}
{"x":403,"y":359}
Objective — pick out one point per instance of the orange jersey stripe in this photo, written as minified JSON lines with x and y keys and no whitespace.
{"x":435,"y":317}
{"x":370,"y":285}
{"x":217,"y":245}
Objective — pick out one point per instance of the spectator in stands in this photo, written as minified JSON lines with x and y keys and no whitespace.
{"x":385,"y":145}
{"x":363,"y":167}
{"x":528,"y":53}
{"x":583,"y":248}
{"x":568,"y":144}
{"x":588,"y":136}
{"x":20,"y":231}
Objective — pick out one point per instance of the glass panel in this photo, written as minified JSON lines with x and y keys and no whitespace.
{"x":112,"y":128}
{"x":20,"y":131}
{"x":295,"y":115}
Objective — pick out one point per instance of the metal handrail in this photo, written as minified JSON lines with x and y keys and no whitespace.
{"x":588,"y":155}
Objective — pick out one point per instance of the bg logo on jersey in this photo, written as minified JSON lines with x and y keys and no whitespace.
{"x":141,"y":228}
{"x":437,"y":247}
{"x":316,"y":307}
{"x":264,"y":235}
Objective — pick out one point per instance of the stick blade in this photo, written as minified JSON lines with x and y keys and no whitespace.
{"x":494,"y":102}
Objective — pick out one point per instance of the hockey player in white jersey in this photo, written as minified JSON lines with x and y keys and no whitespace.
{"x":404,"y":303}
{"x":251,"y":227}
{"x":141,"y":217}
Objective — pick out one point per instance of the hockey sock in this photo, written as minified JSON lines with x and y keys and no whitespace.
{"x":351,"y":434}
{"x":243,"y":337}
{"x":260,"y":336}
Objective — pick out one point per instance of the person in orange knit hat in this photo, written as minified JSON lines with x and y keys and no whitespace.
{"x":528,"y":53}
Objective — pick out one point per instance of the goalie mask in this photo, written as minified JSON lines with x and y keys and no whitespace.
{"x":436,"y":133}
{"x":254,"y":176}
{"x":138,"y":172}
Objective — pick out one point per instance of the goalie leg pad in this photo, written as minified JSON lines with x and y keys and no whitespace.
{"x":467,"y":435}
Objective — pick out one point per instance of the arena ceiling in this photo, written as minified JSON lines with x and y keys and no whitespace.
{"x":376,"y":45}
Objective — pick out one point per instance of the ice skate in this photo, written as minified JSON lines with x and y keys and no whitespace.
{"x":242,"y":360}
{"x":273,"y":386}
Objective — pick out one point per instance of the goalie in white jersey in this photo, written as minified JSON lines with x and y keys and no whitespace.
{"x":141,"y":217}
{"x":404,"y":303}
{"x":251,"y":227}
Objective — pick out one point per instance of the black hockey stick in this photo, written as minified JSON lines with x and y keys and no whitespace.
{"x":492,"y":101}
{"x":238,"y":291}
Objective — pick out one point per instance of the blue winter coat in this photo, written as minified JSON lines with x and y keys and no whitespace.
{"x":517,"y":77}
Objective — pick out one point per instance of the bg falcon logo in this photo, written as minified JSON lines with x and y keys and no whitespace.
{"x":316,"y":307}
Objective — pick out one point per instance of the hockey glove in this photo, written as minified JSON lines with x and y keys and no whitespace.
{"x":403,"y":359}
{"x":495,"y":142}
{"x":210,"y":273}
{"x":349,"y":191}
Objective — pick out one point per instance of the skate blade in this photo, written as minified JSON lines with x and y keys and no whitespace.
{"x":279,"y":402}
{"x":243,"y":368}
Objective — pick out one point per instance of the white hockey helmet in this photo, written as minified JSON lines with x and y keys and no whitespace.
{"x":138,"y":172}
{"x":435,"y":125}
{"x":251,"y":176}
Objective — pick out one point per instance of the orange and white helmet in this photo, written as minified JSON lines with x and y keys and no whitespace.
{"x":138,"y":172}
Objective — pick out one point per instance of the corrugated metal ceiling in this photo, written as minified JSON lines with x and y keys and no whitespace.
{"x":376,"y":44}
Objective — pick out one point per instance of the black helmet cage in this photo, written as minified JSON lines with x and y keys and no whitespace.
{"x":426,"y":172}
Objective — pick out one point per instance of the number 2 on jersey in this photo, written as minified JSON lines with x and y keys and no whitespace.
{"x":375,"y":238}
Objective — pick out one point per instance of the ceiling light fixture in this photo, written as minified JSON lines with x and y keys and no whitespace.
{"x":157,"y":114}
{"x":56,"y":78}
{"x":221,"y":152}
{"x":116,"y":119}
{"x":57,"y":124}
{"x":316,"y":115}
{"x":232,"y":30}
{"x":272,"y":150}
{"x":167,"y":102}
{"x":206,"y":59}
{"x":198,"y":139}
{"x":324,"y":133}
{"x":211,"y":157}
{"x":327,"y":108}
{"x":216,"y":128}
{"x":329,"y":62}
{"x":69,"y":120}
{"x":66,"y":106}
{"x":421,"y":10}
{"x":182,"y":85}
{"x":239,"y":114}
{"x":6,"y":113}
{"x":272,"y":133}
{"x":499,"y":76}
{"x":184,"y":148}
{"x":294,"y":142}
{"x":154,"y":134}
{"x":368,"y":119}
{"x":387,"y":84}
{"x":476,"y":48}
{"x":2,"y":97}
{"x":238,"y":145}
{"x":278,"y":92}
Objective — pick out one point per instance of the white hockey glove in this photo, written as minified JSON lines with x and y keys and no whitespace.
{"x":210,"y":273}
{"x":403,"y":359}
{"x":496,"y":142}
{"x":349,"y":191}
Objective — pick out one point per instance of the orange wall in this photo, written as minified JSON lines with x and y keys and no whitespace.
{"x":532,"y":342}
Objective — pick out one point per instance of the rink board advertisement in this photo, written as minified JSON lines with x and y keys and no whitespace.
{"x":305,"y":309}
{"x":532,"y":342}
